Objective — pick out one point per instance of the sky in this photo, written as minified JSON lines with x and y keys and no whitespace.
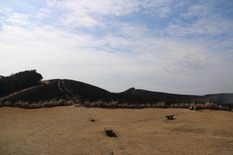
{"x":175,"y":46}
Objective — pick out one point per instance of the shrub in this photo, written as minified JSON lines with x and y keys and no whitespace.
{"x":19,"y":81}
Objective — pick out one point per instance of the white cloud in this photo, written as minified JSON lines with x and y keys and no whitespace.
{"x":81,"y":7}
{"x":204,"y":26}
{"x":86,"y":13}
{"x":46,"y":47}
{"x":13,"y":18}
{"x":196,"y":10}
{"x":42,"y":13}
{"x":17,"y":18}
{"x":201,"y":19}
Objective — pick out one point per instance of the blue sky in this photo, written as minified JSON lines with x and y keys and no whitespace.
{"x":176,"y":46}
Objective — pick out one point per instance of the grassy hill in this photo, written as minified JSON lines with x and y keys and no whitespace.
{"x":59,"y":92}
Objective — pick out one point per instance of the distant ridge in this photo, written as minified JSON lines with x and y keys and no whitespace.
{"x":66,"y":92}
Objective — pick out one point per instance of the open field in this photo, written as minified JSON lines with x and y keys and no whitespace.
{"x":69,"y":130}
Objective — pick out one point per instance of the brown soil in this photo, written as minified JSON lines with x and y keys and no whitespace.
{"x":69,"y":130}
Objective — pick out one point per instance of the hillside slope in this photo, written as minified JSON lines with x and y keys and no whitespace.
{"x":66,"y":92}
{"x":222,"y":98}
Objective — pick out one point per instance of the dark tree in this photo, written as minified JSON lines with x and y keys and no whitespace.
{"x":18,"y":81}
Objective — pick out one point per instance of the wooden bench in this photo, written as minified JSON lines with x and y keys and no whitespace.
{"x":170,"y":117}
{"x":109,"y":132}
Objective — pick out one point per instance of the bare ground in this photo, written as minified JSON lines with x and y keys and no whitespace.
{"x":69,"y":130}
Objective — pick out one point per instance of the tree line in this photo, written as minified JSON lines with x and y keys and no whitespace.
{"x":19,"y":81}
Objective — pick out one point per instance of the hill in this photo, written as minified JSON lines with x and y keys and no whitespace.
{"x":66,"y":92}
{"x":222,"y":98}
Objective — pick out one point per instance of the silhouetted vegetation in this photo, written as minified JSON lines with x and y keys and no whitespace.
{"x":18,"y":81}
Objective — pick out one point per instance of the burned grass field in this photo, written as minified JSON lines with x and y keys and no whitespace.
{"x":26,"y":90}
{"x":59,"y":92}
{"x":71,"y":130}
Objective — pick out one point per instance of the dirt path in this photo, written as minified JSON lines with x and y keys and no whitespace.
{"x":68,"y":130}
{"x":66,"y":91}
{"x":18,"y":92}
{"x":60,"y":86}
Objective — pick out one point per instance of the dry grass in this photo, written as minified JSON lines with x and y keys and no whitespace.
{"x":115,"y":104}
{"x":51,"y":103}
{"x":69,"y":130}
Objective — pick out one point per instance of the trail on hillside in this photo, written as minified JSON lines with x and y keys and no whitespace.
{"x":19,"y":92}
{"x":70,"y":96}
{"x":66,"y":91}
{"x":62,"y":90}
